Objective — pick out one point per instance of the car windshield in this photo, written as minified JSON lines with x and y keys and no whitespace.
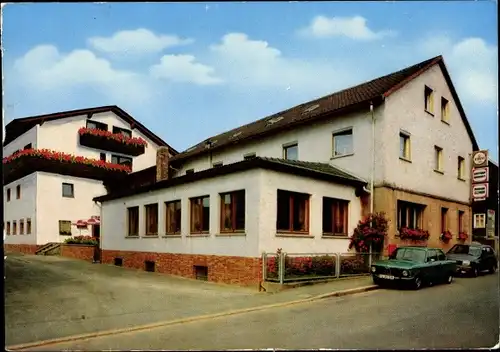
{"x":464,"y":249}
{"x":416,"y":255}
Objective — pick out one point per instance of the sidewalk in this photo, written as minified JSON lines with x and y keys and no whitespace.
{"x":52,"y":297}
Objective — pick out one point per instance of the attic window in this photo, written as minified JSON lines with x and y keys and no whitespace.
{"x":273,"y":120}
{"x":311,"y":108}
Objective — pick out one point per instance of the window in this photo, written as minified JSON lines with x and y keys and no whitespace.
{"x":429,"y":100}
{"x":409,"y":215}
{"x":232,"y":212}
{"x":293,"y":212}
{"x":14,"y":227}
{"x":461,"y":168}
{"x":28,"y":146}
{"x":8,"y":227}
{"x":97,"y":125}
{"x":173,"y":217}
{"x":8,"y":194}
{"x":343,"y":143}
{"x":64,"y":227}
{"x":68,"y":190}
{"x":18,"y":192}
{"x":190,"y":171}
{"x":102,"y":156}
{"x":133,"y":221}
{"x":121,"y":160}
{"x":124,"y":131}
{"x":291,"y":152}
{"x":218,"y":164}
{"x":200,"y":214}
{"x":249,"y":156}
{"x":445,"y":110}
{"x":404,"y":146}
{"x":21,"y":227}
{"x":460,"y":221}
{"x":151,"y":219}
{"x":479,"y":221}
{"x":438,"y":159}
{"x":444,"y":220}
{"x":441,"y":255}
{"x":432,"y":255}
{"x":335,"y":213}
{"x":28,"y":226}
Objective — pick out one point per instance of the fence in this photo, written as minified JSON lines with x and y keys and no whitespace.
{"x":293,"y":267}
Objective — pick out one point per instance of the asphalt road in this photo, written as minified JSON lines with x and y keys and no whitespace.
{"x":464,"y":314}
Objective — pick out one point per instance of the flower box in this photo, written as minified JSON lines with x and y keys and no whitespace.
{"x":446,"y":236}
{"x":463,"y":236}
{"x":415,"y":235}
{"x":28,"y":161}
{"x":113,"y":142}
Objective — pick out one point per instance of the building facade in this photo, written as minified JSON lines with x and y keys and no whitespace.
{"x":45,"y":194}
{"x":407,"y":131}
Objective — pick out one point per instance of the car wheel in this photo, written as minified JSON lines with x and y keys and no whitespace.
{"x":449,"y":278}
{"x":417,"y":283}
{"x":475,"y":272}
{"x":377,"y":281}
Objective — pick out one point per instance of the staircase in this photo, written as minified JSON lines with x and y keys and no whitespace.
{"x":50,"y":248}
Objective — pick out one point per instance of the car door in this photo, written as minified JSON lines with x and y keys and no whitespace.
{"x":432,"y":266}
{"x":442,"y":269}
{"x":489,"y":258}
{"x":484,"y":259}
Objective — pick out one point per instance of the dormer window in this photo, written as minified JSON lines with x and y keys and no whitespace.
{"x":97,"y":125}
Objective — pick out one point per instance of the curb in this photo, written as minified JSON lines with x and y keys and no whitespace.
{"x":188,"y":320}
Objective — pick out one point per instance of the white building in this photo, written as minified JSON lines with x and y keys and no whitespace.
{"x":422,"y":145}
{"x":43,"y":199}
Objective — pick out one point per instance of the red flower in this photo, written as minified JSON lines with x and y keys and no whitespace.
{"x":67,"y":158}
{"x":116,"y":136}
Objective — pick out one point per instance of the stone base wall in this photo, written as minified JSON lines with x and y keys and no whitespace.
{"x":386,"y":200}
{"x":224,"y":269}
{"x":78,"y":251}
{"x":21,"y":248}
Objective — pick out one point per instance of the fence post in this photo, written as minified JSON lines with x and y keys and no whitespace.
{"x":282,"y":268}
{"x":264,"y":266}
{"x":337,"y":266}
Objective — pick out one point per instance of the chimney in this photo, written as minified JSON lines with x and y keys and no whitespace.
{"x":162,"y":164}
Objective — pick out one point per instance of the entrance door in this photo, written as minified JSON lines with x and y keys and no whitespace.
{"x":96,"y":233}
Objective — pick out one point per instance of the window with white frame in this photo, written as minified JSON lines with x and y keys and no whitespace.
{"x":343,"y":143}
{"x":404,"y":146}
{"x":479,"y":221}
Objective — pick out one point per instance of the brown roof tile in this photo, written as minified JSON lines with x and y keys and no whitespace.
{"x":344,"y":101}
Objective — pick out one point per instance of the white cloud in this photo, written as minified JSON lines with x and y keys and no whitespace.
{"x":136,"y":42}
{"x":184,"y":68}
{"x":45,"y":69}
{"x":351,"y":27}
{"x":472,"y":63}
{"x":246,"y":62}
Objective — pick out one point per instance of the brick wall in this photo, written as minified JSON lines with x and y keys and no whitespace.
{"x":224,"y":269}
{"x":386,"y":200}
{"x":78,"y":251}
{"x":21,"y":248}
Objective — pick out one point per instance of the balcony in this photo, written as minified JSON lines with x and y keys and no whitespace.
{"x":28,"y":161}
{"x":113,"y":142}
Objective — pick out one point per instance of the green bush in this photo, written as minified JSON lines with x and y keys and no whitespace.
{"x":82,"y":240}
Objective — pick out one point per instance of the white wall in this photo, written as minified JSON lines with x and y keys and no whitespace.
{"x":114,"y":219}
{"x":315,"y":143}
{"x":62,"y":135}
{"x":404,"y":110}
{"x":23,"y":208}
{"x":260,"y":217}
{"x":52,"y":206}
{"x":272,"y":181}
{"x":20,"y":142}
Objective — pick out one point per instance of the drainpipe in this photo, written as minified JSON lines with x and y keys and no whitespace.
{"x":372,"y":176}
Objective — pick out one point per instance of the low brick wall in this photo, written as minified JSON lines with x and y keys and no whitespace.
{"x":224,"y":269}
{"x":21,"y":248}
{"x":78,"y":251}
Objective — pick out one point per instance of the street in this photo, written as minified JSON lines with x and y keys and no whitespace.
{"x":464,"y":314}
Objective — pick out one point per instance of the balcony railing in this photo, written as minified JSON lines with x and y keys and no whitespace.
{"x":28,"y":161}
{"x":113,"y":142}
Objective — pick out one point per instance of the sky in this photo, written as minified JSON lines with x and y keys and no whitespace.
{"x":189,"y":71}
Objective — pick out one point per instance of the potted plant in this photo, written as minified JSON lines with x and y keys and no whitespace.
{"x":446,"y":236}
{"x":415,"y":235}
{"x":463,"y":236}
{"x":370,"y":233}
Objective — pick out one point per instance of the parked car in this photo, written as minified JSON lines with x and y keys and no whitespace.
{"x":473,"y":258}
{"x":415,"y":266}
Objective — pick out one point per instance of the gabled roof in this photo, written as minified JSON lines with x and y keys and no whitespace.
{"x":17,"y":127}
{"x":339,"y":103}
{"x":321,"y":171}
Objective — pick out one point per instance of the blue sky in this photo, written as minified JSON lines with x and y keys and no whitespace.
{"x":191,"y":70}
